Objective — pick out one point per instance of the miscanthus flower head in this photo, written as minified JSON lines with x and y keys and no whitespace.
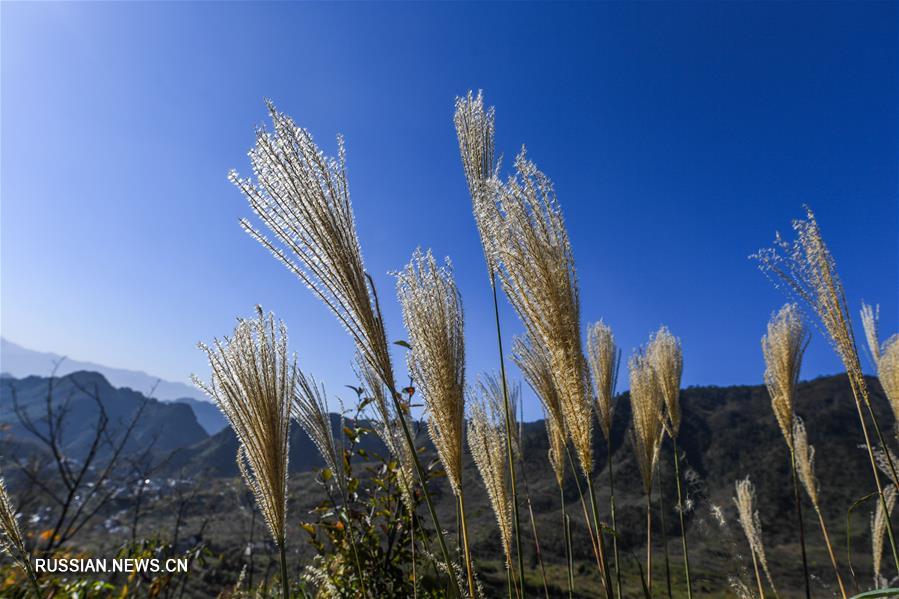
{"x":302,"y":196}
{"x":535,"y":264}
{"x":603,"y":356}
{"x":432,"y":313}
{"x":253,"y":384}
{"x":783,"y":347}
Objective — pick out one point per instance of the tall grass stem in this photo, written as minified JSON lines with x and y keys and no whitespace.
{"x":614,"y":521}
{"x":509,"y":424}
{"x":680,"y":511}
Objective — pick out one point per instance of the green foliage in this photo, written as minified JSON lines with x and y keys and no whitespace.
{"x":373,"y":528}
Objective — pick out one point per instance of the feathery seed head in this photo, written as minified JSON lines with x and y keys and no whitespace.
{"x":783,"y":348}
{"x":879,"y":522}
{"x":432,"y":313}
{"x":11,"y":540}
{"x":487,"y":443}
{"x":805,"y":461}
{"x":310,"y":409}
{"x":808,"y":271}
{"x":536,"y":268}
{"x":253,"y":383}
{"x":667,"y":359}
{"x":533,"y":360}
{"x":647,"y":407}
{"x":749,"y":521}
{"x":490,"y":387}
{"x":886,"y":356}
{"x":603,"y":356}
{"x":475,"y":130}
{"x":557,"y":443}
{"x":888,"y":372}
{"x":870,"y":319}
{"x":303,"y":197}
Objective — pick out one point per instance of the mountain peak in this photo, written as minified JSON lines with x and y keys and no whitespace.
{"x":19,"y":361}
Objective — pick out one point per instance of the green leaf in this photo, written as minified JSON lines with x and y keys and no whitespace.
{"x":402,"y":343}
{"x":893,"y":592}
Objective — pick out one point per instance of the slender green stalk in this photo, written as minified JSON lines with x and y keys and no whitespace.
{"x":649,"y":542}
{"x":758,"y":577}
{"x":614,"y":521}
{"x":600,"y":543}
{"x":285,"y":585}
{"x":587,"y":522}
{"x":509,"y":421}
{"x":469,"y":568}
{"x":32,"y":577}
{"x":527,"y":498}
{"x":566,"y":523}
{"x":873,"y":461}
{"x":680,"y":510}
{"x":422,"y":479}
{"x":412,"y":546}
{"x":664,"y":531}
{"x":798,"y":503}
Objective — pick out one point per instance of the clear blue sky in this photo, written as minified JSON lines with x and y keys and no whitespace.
{"x":679,"y":136}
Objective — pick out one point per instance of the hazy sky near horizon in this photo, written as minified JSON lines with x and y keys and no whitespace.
{"x":680,"y":137}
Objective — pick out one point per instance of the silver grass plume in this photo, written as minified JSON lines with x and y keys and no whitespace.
{"x":303,"y":197}
{"x":527,"y":236}
{"x":490,"y":386}
{"x":475,"y":130}
{"x":667,"y":358}
{"x":783,"y":348}
{"x":885,"y":356}
{"x":752,"y":527}
{"x":557,"y":443}
{"x":11,"y":540}
{"x":808,"y":271}
{"x":432,"y":313}
{"x":888,"y":372}
{"x":486,"y":440}
{"x":533,"y":360}
{"x":647,"y":406}
{"x":603,"y":356}
{"x":253,"y":384}
{"x":387,"y":427}
{"x":870,"y":320}
{"x":805,"y":461}
{"x":879,"y":523}
{"x":310,"y":409}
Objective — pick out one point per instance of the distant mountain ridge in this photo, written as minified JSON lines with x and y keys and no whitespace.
{"x":162,"y":426}
{"x":21,"y":362}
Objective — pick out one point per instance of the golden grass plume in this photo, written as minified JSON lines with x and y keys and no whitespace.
{"x":253,"y":384}
{"x":310,"y":410}
{"x":11,"y":539}
{"x":783,"y":347}
{"x":475,"y":130}
{"x":752,"y":526}
{"x":487,"y":443}
{"x":303,"y":197}
{"x":885,"y":356}
{"x":647,"y":409}
{"x":533,"y":360}
{"x":527,"y":236}
{"x":432,"y":313}
{"x":603,"y":356}
{"x":667,"y":359}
